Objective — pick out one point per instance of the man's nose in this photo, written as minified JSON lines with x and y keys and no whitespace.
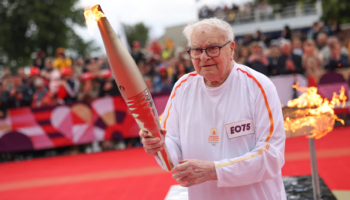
{"x":204,"y":56}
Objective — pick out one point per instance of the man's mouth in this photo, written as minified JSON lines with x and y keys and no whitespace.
{"x":207,"y":65}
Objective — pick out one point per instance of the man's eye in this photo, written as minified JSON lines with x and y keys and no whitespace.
{"x":212,"y":49}
{"x":196,"y":51}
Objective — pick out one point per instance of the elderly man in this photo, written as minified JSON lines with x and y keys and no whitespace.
{"x":288,"y":62}
{"x":223,"y":123}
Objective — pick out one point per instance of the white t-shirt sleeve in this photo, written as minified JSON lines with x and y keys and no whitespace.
{"x":170,"y":122}
{"x":267,"y":158}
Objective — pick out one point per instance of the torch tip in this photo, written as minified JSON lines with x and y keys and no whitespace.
{"x":97,"y":7}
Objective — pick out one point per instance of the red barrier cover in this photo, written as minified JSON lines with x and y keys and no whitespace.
{"x":32,"y":129}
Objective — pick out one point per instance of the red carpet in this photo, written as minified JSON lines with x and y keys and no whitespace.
{"x":131,"y":174}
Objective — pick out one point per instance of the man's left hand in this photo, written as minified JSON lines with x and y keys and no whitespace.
{"x":192,"y":172}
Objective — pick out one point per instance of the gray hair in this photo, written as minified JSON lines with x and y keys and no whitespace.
{"x":213,"y":22}
{"x":285,"y":42}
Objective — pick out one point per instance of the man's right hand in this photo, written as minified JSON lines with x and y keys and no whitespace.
{"x":152,"y":144}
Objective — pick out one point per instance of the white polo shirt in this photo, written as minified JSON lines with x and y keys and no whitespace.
{"x":238,"y":125}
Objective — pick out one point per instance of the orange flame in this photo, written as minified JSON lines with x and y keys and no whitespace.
{"x":92,"y":15}
{"x":316,"y":113}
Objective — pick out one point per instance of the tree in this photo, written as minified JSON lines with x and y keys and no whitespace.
{"x":137,"y":32}
{"x":30,"y":25}
{"x":332,"y":9}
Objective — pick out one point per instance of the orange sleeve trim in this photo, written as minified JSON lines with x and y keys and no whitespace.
{"x":266,"y":103}
{"x":172,"y":96}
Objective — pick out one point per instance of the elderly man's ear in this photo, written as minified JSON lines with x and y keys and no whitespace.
{"x":232,"y":48}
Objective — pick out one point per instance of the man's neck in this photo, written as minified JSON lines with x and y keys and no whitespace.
{"x":219,"y":82}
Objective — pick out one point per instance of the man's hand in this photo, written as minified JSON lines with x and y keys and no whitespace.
{"x":192,"y":172}
{"x":290,"y":65}
{"x":152,"y":144}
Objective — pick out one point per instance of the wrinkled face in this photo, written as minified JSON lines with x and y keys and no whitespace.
{"x":286,"y":49}
{"x":257,"y":50}
{"x":212,"y":69}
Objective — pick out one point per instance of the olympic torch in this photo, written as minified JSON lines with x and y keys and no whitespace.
{"x":129,"y":80}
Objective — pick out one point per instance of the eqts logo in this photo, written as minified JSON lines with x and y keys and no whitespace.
{"x":213,"y":138}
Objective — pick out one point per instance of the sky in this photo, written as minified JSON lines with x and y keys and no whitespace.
{"x":155,"y":14}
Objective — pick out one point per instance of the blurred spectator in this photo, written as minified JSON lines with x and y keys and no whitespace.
{"x":247,"y":39}
{"x":330,"y":52}
{"x":61,"y":60}
{"x":287,"y":33}
{"x":243,"y":55}
{"x":87,"y":91}
{"x":155,"y":48}
{"x":42,"y":96}
{"x":273,"y":54}
{"x":180,"y":70}
{"x":321,"y":40}
{"x":38,"y":63}
{"x":257,"y":60}
{"x":149,"y":83}
{"x":4,"y":97}
{"x":6,"y":71}
{"x":108,"y":85}
{"x":297,"y":46}
{"x":219,"y":13}
{"x":39,"y":59}
{"x":19,"y":94}
{"x":22,"y":74}
{"x":136,"y":53}
{"x":148,"y":70}
{"x":311,"y":62}
{"x":94,"y":68}
{"x":312,"y":34}
{"x":48,"y":69}
{"x":337,"y":59}
{"x":55,"y":81}
{"x":162,"y":83}
{"x":168,"y":51}
{"x":288,"y":62}
{"x":34,"y":73}
{"x":78,"y":67}
{"x":68,"y":89}
{"x":257,"y":36}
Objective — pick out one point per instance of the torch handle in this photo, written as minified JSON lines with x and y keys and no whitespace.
{"x":144,"y":112}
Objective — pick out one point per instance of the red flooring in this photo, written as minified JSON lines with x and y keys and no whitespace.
{"x":16,"y":177}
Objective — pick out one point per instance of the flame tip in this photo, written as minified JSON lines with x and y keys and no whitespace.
{"x":92,"y":15}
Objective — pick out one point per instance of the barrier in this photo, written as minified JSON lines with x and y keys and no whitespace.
{"x":32,"y":129}
{"x":26,"y":129}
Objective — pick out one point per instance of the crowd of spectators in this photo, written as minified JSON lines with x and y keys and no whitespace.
{"x":311,"y":53}
{"x":60,"y":80}
{"x":241,"y":13}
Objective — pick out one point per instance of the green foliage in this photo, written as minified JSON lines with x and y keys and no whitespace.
{"x":137,"y":32}
{"x":29,"y":25}
{"x":337,"y":10}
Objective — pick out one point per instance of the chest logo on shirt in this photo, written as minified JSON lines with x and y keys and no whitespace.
{"x":240,"y":128}
{"x":213,"y":138}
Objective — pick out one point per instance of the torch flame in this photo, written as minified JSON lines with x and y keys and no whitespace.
{"x":92,"y":15}
{"x":315,"y":112}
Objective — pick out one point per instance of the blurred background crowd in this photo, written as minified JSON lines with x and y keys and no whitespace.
{"x":54,"y":75}
{"x":60,"y":79}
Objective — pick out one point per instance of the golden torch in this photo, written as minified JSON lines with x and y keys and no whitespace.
{"x":129,"y":80}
